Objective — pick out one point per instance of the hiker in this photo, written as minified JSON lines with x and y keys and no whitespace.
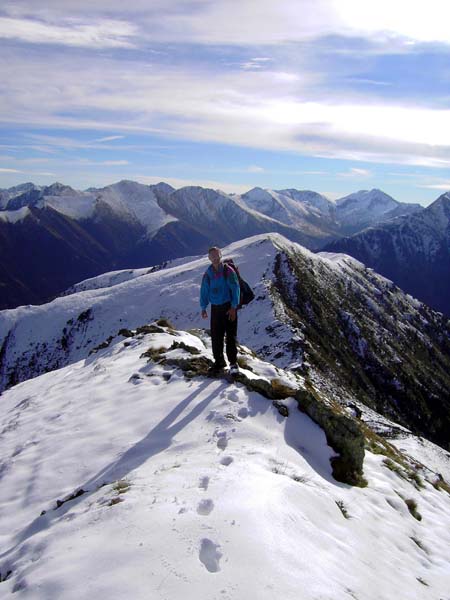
{"x":220,"y":287}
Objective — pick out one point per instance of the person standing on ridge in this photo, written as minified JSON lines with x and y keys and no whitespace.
{"x":220,"y":287}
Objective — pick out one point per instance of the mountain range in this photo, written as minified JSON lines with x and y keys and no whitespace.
{"x":126,"y":471}
{"x":52,"y":237}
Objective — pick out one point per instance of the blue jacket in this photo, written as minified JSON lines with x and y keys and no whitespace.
{"x":218,"y":289}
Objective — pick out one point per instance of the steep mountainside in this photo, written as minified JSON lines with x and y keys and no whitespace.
{"x":307,"y":211}
{"x":354,"y":335}
{"x":226,"y":218}
{"x":413,"y":251}
{"x":42,"y":253}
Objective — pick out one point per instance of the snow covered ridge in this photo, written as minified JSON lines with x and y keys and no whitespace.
{"x":38,"y":338}
{"x":135,"y":459}
{"x":357,"y":337}
{"x":129,"y":200}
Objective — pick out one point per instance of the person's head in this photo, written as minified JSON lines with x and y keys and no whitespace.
{"x":215,"y":255}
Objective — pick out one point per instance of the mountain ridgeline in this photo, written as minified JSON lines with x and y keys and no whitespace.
{"x":353,"y":336}
{"x":52,"y":237}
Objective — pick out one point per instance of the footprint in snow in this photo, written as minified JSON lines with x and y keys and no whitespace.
{"x":205,"y":507}
{"x":210,"y":555}
{"x":203,"y":483}
{"x":243,"y":412}
{"x":222,"y":442}
{"x":226,"y":460}
{"x":233,"y":396}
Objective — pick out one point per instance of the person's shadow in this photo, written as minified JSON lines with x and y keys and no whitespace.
{"x":157,"y":440}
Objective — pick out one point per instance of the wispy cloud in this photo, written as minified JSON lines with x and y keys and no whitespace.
{"x":355,"y":172}
{"x":110,"y":138}
{"x":104,"y":163}
{"x":325,"y":80}
{"x":104,"y":34}
{"x":360,"y":80}
{"x":233,"y":108}
{"x":221,"y":22}
{"x":437,"y":186}
{"x":255,"y":63}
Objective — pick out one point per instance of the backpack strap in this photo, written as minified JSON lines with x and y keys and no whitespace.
{"x":227,"y":269}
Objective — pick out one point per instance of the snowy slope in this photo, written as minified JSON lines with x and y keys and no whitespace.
{"x":199,"y":489}
{"x":305,"y":210}
{"x":352,"y":332}
{"x":65,"y":330}
{"x":367,"y":207}
{"x":14,"y":216}
{"x":137,"y":202}
{"x":319,"y":201}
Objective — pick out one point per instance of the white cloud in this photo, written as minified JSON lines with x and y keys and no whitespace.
{"x":412,"y":19}
{"x":109,"y":138}
{"x":256,"y":109}
{"x":255,"y":169}
{"x":355,"y":172}
{"x":437,"y":186}
{"x":10,"y":171}
{"x":104,"y":34}
{"x":243,"y":23}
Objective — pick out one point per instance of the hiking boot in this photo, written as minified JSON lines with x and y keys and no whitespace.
{"x":234,"y":369}
{"x":217,"y":367}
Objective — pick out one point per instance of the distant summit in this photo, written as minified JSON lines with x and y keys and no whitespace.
{"x":365,"y":208}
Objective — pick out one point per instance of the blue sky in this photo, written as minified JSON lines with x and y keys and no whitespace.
{"x":331,"y":95}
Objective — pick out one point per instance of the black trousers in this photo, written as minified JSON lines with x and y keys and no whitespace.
{"x":221,"y":325}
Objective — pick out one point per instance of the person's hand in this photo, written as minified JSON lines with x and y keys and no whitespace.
{"x":204,"y":314}
{"x":231,"y":312}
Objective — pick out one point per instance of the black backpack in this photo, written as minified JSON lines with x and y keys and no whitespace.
{"x":246,"y":294}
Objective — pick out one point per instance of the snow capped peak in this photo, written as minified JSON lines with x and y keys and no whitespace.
{"x":368,"y":198}
{"x":162,"y":187}
{"x":443,"y":202}
{"x":364,"y":208}
{"x":439,"y":212}
{"x":58,"y":189}
{"x":20,"y":189}
{"x":258,"y":192}
{"x":310,"y":212}
{"x":136,"y":202}
{"x":8,"y":195}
